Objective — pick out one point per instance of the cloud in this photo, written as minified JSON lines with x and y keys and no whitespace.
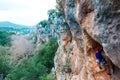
{"x":27,"y":12}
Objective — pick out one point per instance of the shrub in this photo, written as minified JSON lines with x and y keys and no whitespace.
{"x":49,"y":77}
{"x":38,"y":66}
{"x":5,"y":38}
{"x":5,"y":66}
{"x":44,"y":23}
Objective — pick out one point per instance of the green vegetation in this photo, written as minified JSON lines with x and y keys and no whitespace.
{"x":5,"y":66}
{"x":54,"y":12}
{"x":44,"y":23}
{"x":22,"y":30}
{"x":38,"y":66}
{"x":16,"y":28}
{"x":5,"y":38}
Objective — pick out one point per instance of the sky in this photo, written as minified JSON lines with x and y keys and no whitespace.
{"x":25,"y":12}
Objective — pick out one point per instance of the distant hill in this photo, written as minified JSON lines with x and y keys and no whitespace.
{"x":16,"y":28}
{"x":10,"y":24}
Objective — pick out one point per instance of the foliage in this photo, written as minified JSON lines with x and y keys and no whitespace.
{"x":49,"y":77}
{"x":5,"y":66}
{"x":5,"y":38}
{"x":54,"y":12}
{"x":38,"y":66}
{"x":44,"y":23}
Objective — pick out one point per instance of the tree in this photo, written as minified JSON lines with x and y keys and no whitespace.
{"x":38,"y":66}
{"x":44,"y":23}
{"x":52,"y":13}
{"x":5,"y":66}
{"x":5,"y":38}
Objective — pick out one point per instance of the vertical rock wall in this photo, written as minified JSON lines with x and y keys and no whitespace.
{"x":88,"y":24}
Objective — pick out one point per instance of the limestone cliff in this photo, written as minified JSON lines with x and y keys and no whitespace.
{"x":43,"y":32}
{"x":83,"y":26}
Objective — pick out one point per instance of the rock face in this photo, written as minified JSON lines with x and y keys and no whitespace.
{"x":85,"y":25}
{"x":43,"y":34}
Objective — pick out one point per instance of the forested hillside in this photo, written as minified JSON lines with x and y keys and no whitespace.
{"x":16,"y":28}
{"x":24,"y":57}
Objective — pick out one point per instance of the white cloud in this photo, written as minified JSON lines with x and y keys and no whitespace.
{"x":27,"y":12}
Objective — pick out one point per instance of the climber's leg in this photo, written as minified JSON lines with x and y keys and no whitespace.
{"x":108,"y":72}
{"x":102,"y":64}
{"x":98,"y":64}
{"x":107,"y":69}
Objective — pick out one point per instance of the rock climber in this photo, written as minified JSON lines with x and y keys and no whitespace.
{"x":101,"y":61}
